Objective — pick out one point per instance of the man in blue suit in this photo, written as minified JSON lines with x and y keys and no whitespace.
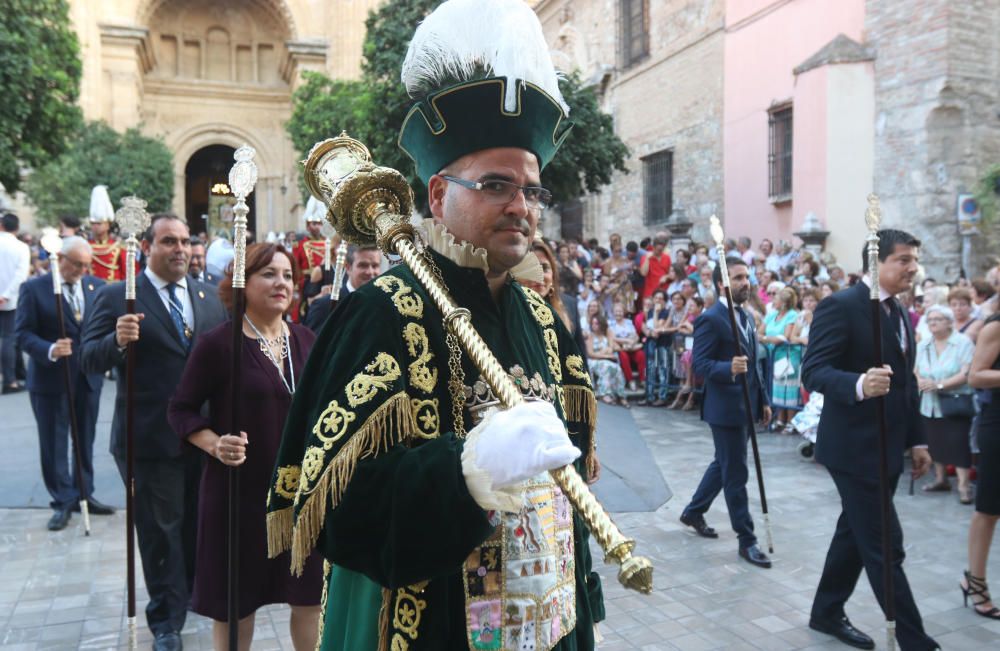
{"x":38,"y":333}
{"x":838,"y":363}
{"x":715,"y":359}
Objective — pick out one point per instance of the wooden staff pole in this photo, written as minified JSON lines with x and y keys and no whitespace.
{"x":873,"y":217}
{"x":242,"y":178}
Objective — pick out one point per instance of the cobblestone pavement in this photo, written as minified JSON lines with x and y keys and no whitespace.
{"x":65,"y":591}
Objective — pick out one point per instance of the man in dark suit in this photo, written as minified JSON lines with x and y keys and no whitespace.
{"x":838,"y":363}
{"x":38,"y":334}
{"x":362,"y":265}
{"x":172,"y":310}
{"x":197,"y":269}
{"x":715,"y":358}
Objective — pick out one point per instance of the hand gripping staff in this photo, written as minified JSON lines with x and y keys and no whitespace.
{"x":873,"y":218}
{"x":242,"y":179}
{"x":132,"y":219}
{"x":372,"y":204}
{"x":719,"y":238}
{"x":52,"y":243}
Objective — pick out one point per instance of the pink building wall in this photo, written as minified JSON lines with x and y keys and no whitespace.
{"x":765,"y":40}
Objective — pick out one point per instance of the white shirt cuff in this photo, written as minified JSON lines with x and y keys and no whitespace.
{"x":859,"y":392}
{"x":51,"y":348}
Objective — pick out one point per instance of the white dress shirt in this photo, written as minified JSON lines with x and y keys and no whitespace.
{"x":182,"y":295}
{"x":15,"y":258}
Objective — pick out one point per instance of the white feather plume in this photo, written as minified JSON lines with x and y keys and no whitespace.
{"x":315,"y":211}
{"x":101,"y":209}
{"x":460,"y":37}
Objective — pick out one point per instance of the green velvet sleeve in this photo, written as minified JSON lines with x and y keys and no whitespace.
{"x":407,"y":516}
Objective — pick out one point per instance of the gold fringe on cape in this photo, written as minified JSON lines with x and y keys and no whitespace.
{"x":391,"y":423}
{"x":279,"y":531}
{"x":581,"y":407}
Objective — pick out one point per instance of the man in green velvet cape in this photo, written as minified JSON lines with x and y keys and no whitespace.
{"x":440,"y":527}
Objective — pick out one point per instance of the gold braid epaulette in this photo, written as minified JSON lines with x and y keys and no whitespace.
{"x":390,"y":424}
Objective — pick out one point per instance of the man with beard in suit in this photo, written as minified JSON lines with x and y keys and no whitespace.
{"x":38,"y":334}
{"x":172,"y":310}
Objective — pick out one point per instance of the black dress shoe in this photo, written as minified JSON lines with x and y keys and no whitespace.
{"x":843,"y":630}
{"x":167,"y":642}
{"x":699,"y":525}
{"x":59,"y":520}
{"x":12,"y":388}
{"x":94,"y":508}
{"x":754,"y":556}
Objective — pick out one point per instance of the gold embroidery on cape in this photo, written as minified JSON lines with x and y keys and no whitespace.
{"x":539,"y":308}
{"x":312,"y":465}
{"x":287,"y":482}
{"x":388,"y":425}
{"x":335,"y":420}
{"x":552,"y":350}
{"x":407,"y":614}
{"x":574,"y":364}
{"x":327,"y":569}
{"x":399,"y":643}
{"x":378,"y":375}
{"x":407,"y":303}
{"x":426,"y":418}
{"x":422,"y":376}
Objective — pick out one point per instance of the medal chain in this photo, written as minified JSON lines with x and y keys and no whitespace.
{"x":456,"y":374}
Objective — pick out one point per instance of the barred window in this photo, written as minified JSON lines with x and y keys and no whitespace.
{"x":635,"y":31}
{"x":658,"y":186}
{"x":779,"y":159}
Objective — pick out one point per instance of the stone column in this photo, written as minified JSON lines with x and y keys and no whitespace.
{"x":812,"y":234}
{"x":126,"y":57}
{"x":679,"y":228}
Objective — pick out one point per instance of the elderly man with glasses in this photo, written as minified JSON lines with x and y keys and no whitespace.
{"x":39,"y":335}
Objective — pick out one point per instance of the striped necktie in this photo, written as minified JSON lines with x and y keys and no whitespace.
{"x":177,"y":316}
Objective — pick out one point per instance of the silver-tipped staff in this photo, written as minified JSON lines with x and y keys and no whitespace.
{"x":242,"y":179}
{"x":719,"y":238}
{"x":131,"y":218}
{"x":873,"y":219}
{"x":52,"y":243}
{"x":338,"y":274}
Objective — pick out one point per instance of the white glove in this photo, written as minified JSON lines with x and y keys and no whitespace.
{"x":511,"y":446}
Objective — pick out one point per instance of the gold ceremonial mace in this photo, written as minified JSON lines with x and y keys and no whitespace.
{"x":372,"y":204}
{"x":52,"y":243}
{"x":873,"y":219}
{"x":131,"y":218}
{"x":242,"y":179}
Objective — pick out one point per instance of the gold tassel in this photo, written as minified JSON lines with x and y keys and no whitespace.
{"x":383,"y":620}
{"x":581,"y":407}
{"x":391,"y":423}
{"x":327,"y":569}
{"x":279,"y":531}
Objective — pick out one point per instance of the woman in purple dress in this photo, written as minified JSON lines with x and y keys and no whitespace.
{"x":274,"y":354}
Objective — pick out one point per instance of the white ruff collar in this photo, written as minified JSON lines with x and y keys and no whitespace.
{"x":464,"y":254}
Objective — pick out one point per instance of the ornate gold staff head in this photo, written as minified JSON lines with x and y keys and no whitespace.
{"x":132,"y":219}
{"x":340,"y":173}
{"x":873,"y":218}
{"x":715,"y":227}
{"x":242,"y":179}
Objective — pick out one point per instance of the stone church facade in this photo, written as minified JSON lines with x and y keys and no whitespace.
{"x":208,"y":77}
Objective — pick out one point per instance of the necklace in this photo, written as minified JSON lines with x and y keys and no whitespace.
{"x":268,"y":346}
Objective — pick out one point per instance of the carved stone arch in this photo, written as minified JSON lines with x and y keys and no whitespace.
{"x":278,"y":9}
{"x":186,"y":143}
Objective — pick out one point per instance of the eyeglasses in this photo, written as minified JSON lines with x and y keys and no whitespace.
{"x":498,"y":192}
{"x":936,"y":320}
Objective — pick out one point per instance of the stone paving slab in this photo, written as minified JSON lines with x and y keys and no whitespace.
{"x":66,"y":591}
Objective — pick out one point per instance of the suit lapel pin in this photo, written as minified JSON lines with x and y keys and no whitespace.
{"x":201,"y":294}
{"x":90,"y":287}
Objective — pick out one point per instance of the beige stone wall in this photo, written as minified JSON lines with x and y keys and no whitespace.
{"x":671,"y":100}
{"x":200,"y":74}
